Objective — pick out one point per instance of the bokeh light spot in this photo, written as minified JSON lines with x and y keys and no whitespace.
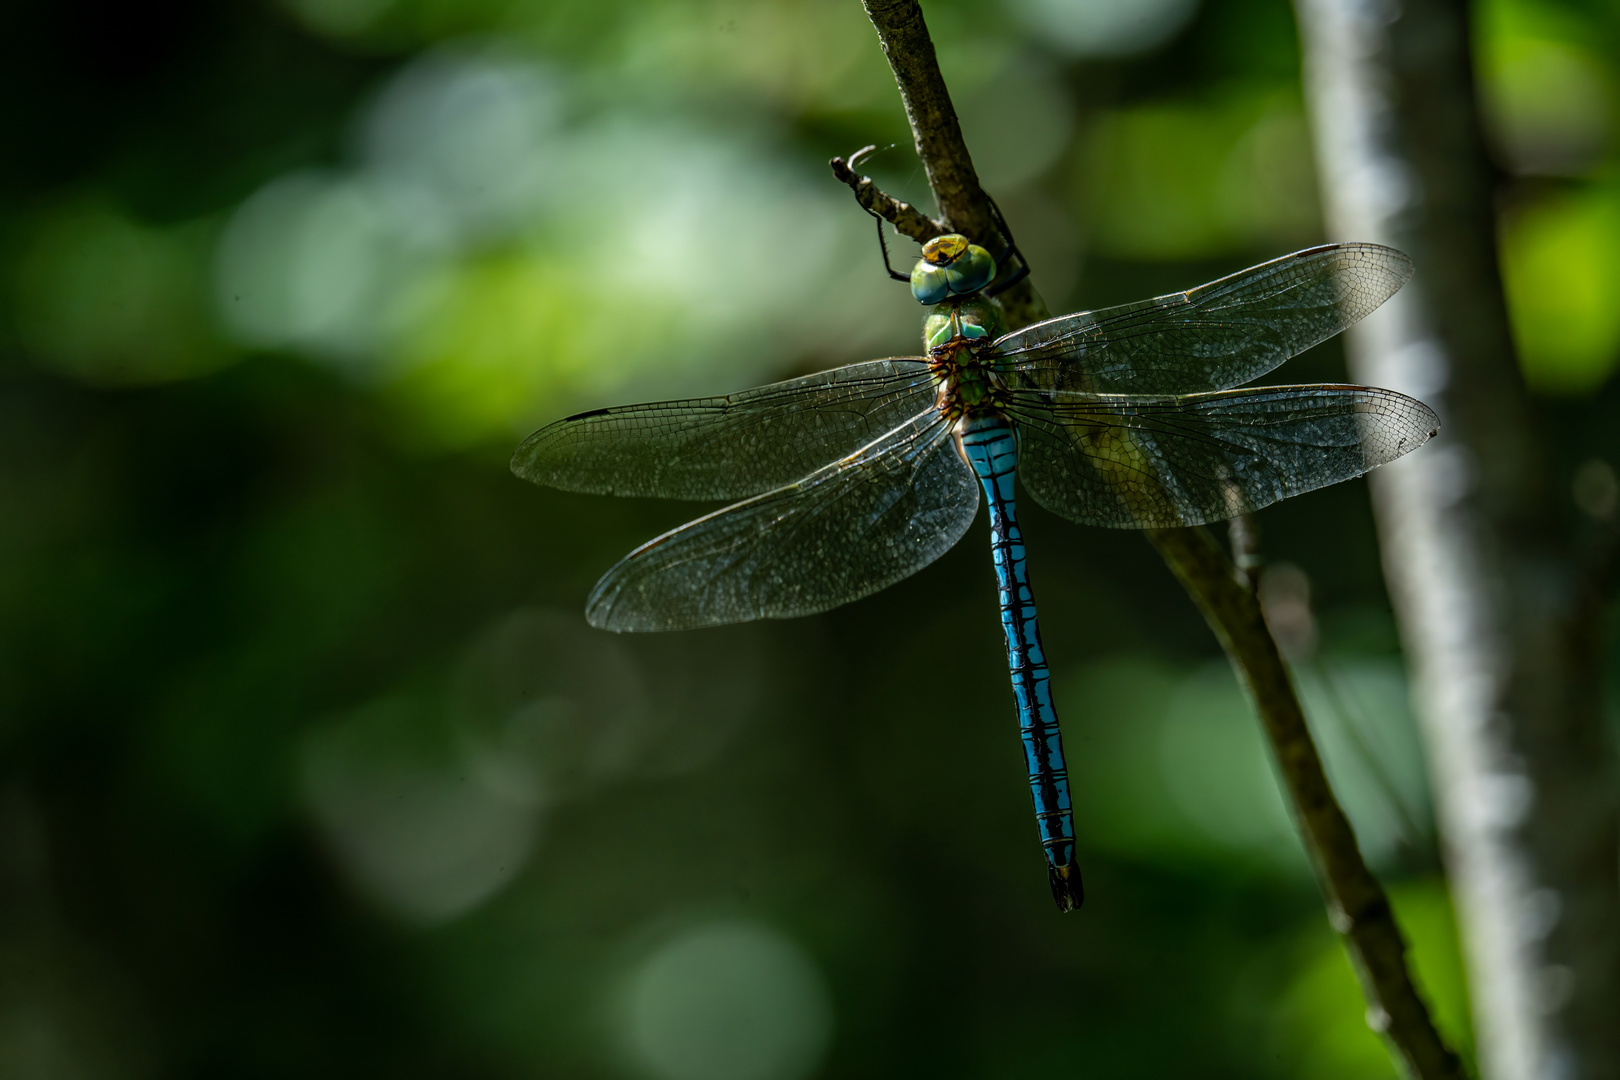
{"x":1547,"y":98}
{"x":500,"y":251}
{"x":1561,"y":272}
{"x":1104,"y":27}
{"x":111,"y":301}
{"x":338,"y":18}
{"x":732,"y":1001}
{"x":305,"y":264}
{"x":1217,"y":771}
{"x":1018,"y":123}
{"x":411,"y":824}
{"x":461,"y":137}
{"x":1183,"y":180}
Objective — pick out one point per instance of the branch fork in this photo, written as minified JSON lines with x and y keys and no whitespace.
{"x":907,"y":219}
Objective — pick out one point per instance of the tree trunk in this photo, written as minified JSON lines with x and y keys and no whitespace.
{"x":1496,"y":607}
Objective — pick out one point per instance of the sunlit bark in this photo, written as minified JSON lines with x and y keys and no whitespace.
{"x":1494,"y":600}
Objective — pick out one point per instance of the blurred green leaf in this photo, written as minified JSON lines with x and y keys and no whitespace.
{"x":1189,"y":180}
{"x":1561,"y":272}
{"x":113,"y":302}
{"x":1549,"y":98}
{"x":1321,"y":1030}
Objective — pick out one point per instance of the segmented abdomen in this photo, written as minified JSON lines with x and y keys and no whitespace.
{"x":992,"y":450}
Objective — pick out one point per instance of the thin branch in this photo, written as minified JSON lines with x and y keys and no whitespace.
{"x":934,"y":126}
{"x":1357,"y":906}
{"x":903,"y":216}
{"x":937,"y":133}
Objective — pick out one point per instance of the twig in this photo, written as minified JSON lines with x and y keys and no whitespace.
{"x":937,"y":133}
{"x":903,"y":216}
{"x":934,"y":127}
{"x":1357,"y":906}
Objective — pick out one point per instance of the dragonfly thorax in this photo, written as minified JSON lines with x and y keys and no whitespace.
{"x":967,"y":376}
{"x":976,"y":318}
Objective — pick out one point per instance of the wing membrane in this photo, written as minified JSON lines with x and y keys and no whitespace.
{"x":1216,"y":336}
{"x":841,"y":533}
{"x":1126,"y":462}
{"x":726,"y":447}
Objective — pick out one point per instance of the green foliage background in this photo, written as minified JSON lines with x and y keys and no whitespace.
{"x":310,"y":764}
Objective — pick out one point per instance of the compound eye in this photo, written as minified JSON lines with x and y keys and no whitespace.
{"x":971,"y":271}
{"x":929,"y":284}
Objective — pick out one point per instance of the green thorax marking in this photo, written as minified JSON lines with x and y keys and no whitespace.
{"x":954,"y":333}
{"x":975,"y":318}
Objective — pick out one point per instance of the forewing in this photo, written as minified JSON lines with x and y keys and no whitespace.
{"x":726,"y":447}
{"x":1128,"y":462}
{"x":1216,"y":336}
{"x":841,"y":533}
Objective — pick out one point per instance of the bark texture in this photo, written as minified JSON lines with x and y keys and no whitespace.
{"x":1496,"y":604}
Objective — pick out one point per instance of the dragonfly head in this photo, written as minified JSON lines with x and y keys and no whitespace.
{"x":974,"y":319}
{"x":951,"y":266}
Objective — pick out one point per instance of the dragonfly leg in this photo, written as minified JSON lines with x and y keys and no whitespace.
{"x":998,"y":286}
{"x":991,"y":450}
{"x":883,"y":246}
{"x":855,"y":161}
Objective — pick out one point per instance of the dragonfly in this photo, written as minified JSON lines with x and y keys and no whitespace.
{"x":844,"y":482}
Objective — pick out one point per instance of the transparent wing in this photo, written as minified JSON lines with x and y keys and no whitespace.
{"x":841,"y":533}
{"x":726,"y":447}
{"x":1128,"y":462}
{"x":1216,"y":336}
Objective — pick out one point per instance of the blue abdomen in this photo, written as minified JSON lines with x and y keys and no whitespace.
{"x":992,"y":450}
